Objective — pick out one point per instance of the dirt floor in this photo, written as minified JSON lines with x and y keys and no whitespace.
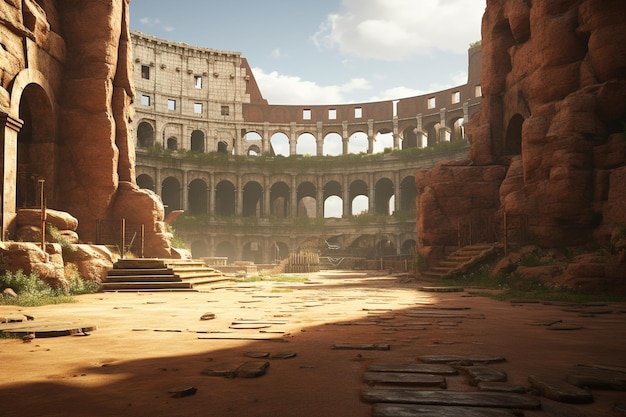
{"x":148,"y":345}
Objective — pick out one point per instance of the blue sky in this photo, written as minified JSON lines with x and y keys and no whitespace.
{"x":328,"y":51}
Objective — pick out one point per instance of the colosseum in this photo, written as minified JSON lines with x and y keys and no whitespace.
{"x":256,"y":181}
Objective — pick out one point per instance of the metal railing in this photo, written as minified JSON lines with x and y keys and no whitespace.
{"x":129,"y":238}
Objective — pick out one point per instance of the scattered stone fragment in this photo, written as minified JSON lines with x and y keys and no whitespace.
{"x":182,"y":392}
{"x":590,"y":377}
{"x":283,"y":355}
{"x":481,"y":373}
{"x":450,"y":398}
{"x":412,"y":410}
{"x":500,"y":387}
{"x":246,"y":326}
{"x":207,"y":316}
{"x":413,"y":367}
{"x":544,"y":323}
{"x":466,"y":360}
{"x":559,"y":390}
{"x":257,"y":355}
{"x":564,"y":326}
{"x":228,"y":370}
{"x":364,"y":346}
{"x":252,"y":369}
{"x":404,"y":379}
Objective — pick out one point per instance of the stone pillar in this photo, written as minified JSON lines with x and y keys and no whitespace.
{"x":8,"y":147}
{"x":293,"y":198}
{"x":319,"y":198}
{"x":157,"y":183}
{"x":185,"y":193}
{"x":239,"y":197}
{"x":421,"y":138}
{"x":212,"y":193}
{"x":397,"y":201}
{"x":345,"y":139}
{"x":293,"y":140}
{"x":396,"y":136}
{"x":267,"y":210}
{"x":345,"y":195}
{"x":371,"y":193}
{"x":444,"y":130}
{"x":370,"y":136}
{"x":319,"y":139}
{"x":265,"y":144}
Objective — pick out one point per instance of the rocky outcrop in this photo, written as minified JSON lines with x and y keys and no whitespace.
{"x":29,"y":258}
{"x":553,"y":118}
{"x":92,"y":261}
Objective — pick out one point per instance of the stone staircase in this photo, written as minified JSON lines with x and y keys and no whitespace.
{"x":462,"y":260}
{"x":159,"y":275}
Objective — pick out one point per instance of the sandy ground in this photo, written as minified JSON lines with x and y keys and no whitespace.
{"x":147,"y":344}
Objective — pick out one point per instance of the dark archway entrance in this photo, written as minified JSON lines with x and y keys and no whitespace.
{"x":513,"y":139}
{"x":170,"y":194}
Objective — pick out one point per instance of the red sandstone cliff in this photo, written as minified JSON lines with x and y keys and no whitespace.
{"x":549,"y":142}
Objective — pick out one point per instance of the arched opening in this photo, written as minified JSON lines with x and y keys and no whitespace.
{"x":36,"y":149}
{"x":408,"y":247}
{"x":252,"y":199}
{"x":513,"y":139}
{"x":254,"y":151}
{"x":359,"y":198}
{"x":384,"y":190}
{"x":279,"y":143}
{"x":280,"y":251}
{"x":457,"y":129}
{"x":252,"y":252}
{"x":384,"y":247}
{"x":145,"y":135}
{"x":306,"y":145}
{"x":408,"y":193}
{"x":333,"y":145}
{"x":279,"y":200}
{"x":197,"y":197}
{"x":432,"y":134}
{"x":199,"y":249}
{"x":333,"y":202}
{"x":306,"y":200}
{"x":222,"y":147}
{"x":145,"y":181}
{"x":358,"y":143}
{"x":170,"y":194}
{"x":225,"y":250}
{"x":409,"y":138}
{"x":172,"y":144}
{"x":197,"y":141}
{"x":225,"y":199}
{"x":383,"y":142}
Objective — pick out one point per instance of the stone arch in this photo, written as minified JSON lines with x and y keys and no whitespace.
{"x":252,"y":199}
{"x":145,"y":181}
{"x":253,"y":252}
{"x":408,"y":193}
{"x":222,"y":147}
{"x":333,"y":201}
{"x":385,"y":246}
{"x":513,"y":137}
{"x":279,"y":199}
{"x":307,"y":203}
{"x":172,"y":143}
{"x":145,"y":134}
{"x":279,"y":144}
{"x":333,"y":144}
{"x":409,"y":137}
{"x":383,"y":141}
{"x":306,"y":144}
{"x":432,"y":133}
{"x":253,"y":150}
{"x":225,"y":198}
{"x":225,"y":249}
{"x":170,"y":194}
{"x":197,"y":193}
{"x":37,"y":147}
{"x":279,"y":251}
{"x":358,"y":143}
{"x":197,"y":141}
{"x":384,"y":192}
{"x":359,"y":192}
{"x":408,"y":247}
{"x":457,"y":128}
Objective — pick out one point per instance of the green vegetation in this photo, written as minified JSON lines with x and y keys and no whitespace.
{"x":300,"y":163}
{"x":32,"y":291}
{"x":59,"y":238}
{"x":475,"y":44}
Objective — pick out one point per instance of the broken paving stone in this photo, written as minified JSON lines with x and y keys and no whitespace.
{"x":413,"y":410}
{"x":284,"y":355}
{"x":599,"y":378}
{"x":413,"y":367}
{"x":450,"y":398}
{"x":564,"y":326}
{"x":559,"y":390}
{"x":182,"y":392}
{"x":252,"y":369}
{"x":228,"y":370}
{"x":544,"y":323}
{"x":404,"y":379}
{"x":456,"y":359}
{"x":481,"y":373}
{"x":248,"y":326}
{"x":363,"y":346}
{"x":500,"y":387}
{"x":257,"y":355}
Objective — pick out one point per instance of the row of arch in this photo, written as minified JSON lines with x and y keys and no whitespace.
{"x":252,"y":142}
{"x":253,"y":198}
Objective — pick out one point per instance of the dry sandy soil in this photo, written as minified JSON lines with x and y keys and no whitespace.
{"x":147,"y":344}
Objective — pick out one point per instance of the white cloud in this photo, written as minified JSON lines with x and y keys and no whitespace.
{"x":277,"y":53}
{"x":286,"y":89}
{"x":398,"y":29}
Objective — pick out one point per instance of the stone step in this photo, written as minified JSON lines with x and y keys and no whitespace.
{"x":139,"y":285}
{"x":142,"y":278}
{"x":139,"y":271}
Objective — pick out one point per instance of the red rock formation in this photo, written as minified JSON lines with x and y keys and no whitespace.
{"x":553,"y":118}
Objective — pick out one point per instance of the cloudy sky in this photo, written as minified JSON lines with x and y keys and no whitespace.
{"x":328,"y":51}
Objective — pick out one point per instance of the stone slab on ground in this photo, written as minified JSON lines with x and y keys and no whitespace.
{"x":468,"y":360}
{"x":501,"y":387}
{"x":599,"y":378}
{"x":252,"y":369}
{"x":450,"y":398}
{"x":405,"y":379}
{"x":413,"y":367}
{"x":482,"y":373}
{"x":361,"y":346}
{"x":411,"y":410}
{"x":42,"y":329}
{"x":559,"y":390}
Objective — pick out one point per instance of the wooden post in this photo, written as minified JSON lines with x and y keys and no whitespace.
{"x":143,"y":237}
{"x":123,"y":238}
{"x":42,"y":207}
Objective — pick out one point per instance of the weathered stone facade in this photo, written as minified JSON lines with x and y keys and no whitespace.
{"x":65,"y":103}
{"x":207,"y":101}
{"x":548,"y":143}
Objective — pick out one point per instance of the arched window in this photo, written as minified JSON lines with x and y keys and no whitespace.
{"x":145,"y":135}
{"x":197,"y":141}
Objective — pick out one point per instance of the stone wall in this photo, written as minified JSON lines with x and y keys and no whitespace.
{"x":552,"y":119}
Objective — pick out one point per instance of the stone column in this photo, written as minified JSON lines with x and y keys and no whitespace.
{"x":267,"y":210}
{"x":397,"y":201}
{"x":265,"y":138}
{"x":345,"y":195}
{"x":371,"y":193}
{"x":421,"y":138}
{"x":212,"y":192}
{"x":293,"y":140}
{"x":185,"y":193}
{"x":396,"y":136}
{"x":8,"y":142}
{"x":239,"y":197}
{"x":370,"y":136}
{"x":157,"y":183}
{"x":345,"y":139}
{"x":319,"y":139}
{"x":293,"y":198}
{"x":319,"y":198}
{"x":444,"y":130}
